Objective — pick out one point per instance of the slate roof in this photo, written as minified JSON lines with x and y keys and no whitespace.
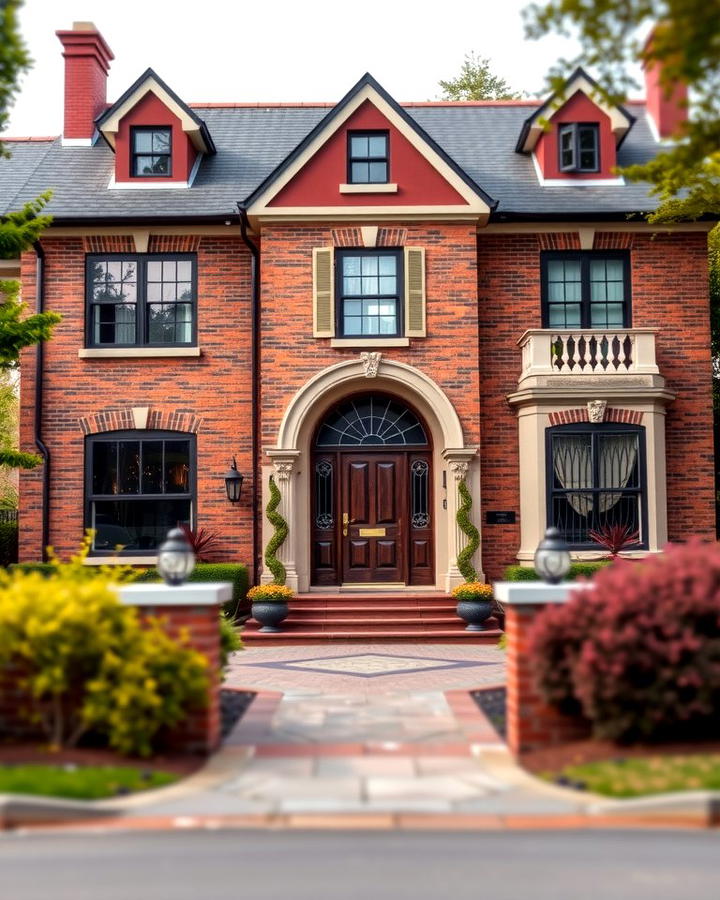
{"x":252,"y":141}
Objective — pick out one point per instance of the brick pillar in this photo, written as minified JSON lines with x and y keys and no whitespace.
{"x":192,"y":610}
{"x":531,"y":723}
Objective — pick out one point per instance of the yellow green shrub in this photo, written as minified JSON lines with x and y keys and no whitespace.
{"x":87,"y":661}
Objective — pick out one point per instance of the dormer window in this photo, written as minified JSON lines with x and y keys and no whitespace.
{"x":579,"y":148}
{"x":151,"y":152}
{"x":368,"y":157}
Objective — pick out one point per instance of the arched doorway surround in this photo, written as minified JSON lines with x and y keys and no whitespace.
{"x":291,"y":458}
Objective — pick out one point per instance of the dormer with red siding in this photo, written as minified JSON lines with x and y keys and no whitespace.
{"x":157,"y":139}
{"x":369,"y":157}
{"x":574,"y":136}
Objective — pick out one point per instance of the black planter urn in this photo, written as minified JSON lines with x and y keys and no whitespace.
{"x":269,"y":614}
{"x":475,"y":613}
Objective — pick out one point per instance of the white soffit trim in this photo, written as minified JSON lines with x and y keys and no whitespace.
{"x":618,"y":121}
{"x":473,"y":203}
{"x":574,"y":182}
{"x":110,"y":128}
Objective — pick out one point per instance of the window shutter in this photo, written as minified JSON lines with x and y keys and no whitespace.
{"x":323,"y":292}
{"x":414,"y":292}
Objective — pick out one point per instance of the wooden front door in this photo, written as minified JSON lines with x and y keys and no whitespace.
{"x":373,"y":517}
{"x":388,"y":534}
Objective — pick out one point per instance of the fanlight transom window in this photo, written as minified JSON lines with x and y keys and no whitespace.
{"x":372,"y":420}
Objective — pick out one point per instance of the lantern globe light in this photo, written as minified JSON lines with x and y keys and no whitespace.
{"x":233,"y":483}
{"x":176,"y":559}
{"x":552,"y":557}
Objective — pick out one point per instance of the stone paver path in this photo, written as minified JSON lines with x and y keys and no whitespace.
{"x":379,"y":727}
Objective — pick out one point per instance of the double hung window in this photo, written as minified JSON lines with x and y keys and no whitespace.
{"x":368,"y":160}
{"x":151,"y":152}
{"x":586,"y":290}
{"x":595,"y":479}
{"x":138,"y":485}
{"x":369,"y":285}
{"x":579,"y":146}
{"x":141,"y":300}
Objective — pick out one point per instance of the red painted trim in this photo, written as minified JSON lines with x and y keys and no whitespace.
{"x":150,"y":110}
{"x":317,"y":183}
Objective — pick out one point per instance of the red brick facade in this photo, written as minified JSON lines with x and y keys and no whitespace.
{"x":208,"y":395}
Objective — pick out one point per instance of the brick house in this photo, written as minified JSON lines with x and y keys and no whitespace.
{"x":367,"y":301}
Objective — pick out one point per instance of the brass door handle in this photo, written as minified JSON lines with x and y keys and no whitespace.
{"x":345,"y":520}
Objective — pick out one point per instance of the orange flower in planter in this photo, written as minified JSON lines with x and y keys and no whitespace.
{"x":270,"y":593}
{"x":473,"y":590}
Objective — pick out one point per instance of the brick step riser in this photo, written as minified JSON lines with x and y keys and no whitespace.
{"x":352,"y":628}
{"x":289,"y":639}
{"x":376,"y":612}
{"x":342,"y":622}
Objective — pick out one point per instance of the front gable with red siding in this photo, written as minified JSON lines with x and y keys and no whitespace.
{"x":319,"y":182}
{"x":312,"y":180}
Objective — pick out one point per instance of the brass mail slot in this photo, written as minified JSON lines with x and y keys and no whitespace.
{"x":371,"y":532}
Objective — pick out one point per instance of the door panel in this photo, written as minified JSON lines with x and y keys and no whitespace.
{"x":373,"y":496}
{"x":386,"y":492}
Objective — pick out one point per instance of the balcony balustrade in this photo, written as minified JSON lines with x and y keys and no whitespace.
{"x":611,"y":352}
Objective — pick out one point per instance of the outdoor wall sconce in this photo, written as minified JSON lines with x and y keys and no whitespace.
{"x":176,"y":559}
{"x":552,"y":557}
{"x":233,"y":483}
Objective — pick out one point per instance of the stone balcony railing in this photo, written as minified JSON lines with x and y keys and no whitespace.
{"x":623,"y":351}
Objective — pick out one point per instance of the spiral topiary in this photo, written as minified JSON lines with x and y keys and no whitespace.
{"x":467,"y":570}
{"x":278,"y":539}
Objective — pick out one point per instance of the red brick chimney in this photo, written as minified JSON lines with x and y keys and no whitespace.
{"x":667,"y":104}
{"x":87,"y":63}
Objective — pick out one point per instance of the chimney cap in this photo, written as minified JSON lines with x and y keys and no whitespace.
{"x":84,"y":38}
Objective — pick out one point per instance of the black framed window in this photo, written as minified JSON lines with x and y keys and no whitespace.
{"x":369,"y":287}
{"x":586,"y":289}
{"x":579,"y":147}
{"x":151,"y":152}
{"x":596,"y":477}
{"x":141,"y":300}
{"x":138,"y":485}
{"x":368,"y":157}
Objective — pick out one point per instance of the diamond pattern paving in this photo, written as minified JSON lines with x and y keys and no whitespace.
{"x":370,"y":665}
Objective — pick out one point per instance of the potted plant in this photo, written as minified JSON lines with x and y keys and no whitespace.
{"x":474,"y":603}
{"x":270,"y":605}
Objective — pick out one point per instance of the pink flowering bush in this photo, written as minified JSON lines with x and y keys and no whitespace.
{"x":639,"y":655}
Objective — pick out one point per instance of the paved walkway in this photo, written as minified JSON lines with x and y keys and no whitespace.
{"x":369,"y":728}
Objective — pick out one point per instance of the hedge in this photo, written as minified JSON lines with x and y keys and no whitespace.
{"x":235,"y":573}
{"x":8,"y":543}
{"x":577,"y":570}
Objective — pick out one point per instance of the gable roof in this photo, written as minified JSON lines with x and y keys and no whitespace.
{"x":367,"y":88}
{"x":108,"y":122}
{"x":253,"y":140}
{"x":621,"y":120}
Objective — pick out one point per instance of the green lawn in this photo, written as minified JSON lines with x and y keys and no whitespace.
{"x":79,"y":783}
{"x":637,"y":777}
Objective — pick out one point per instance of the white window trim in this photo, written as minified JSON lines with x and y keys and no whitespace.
{"x":370,"y":342}
{"x":574,"y":182}
{"x":139,"y":185}
{"x":384,"y":188}
{"x":136,"y":352}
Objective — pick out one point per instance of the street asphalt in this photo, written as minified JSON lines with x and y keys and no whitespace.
{"x":320,"y":865}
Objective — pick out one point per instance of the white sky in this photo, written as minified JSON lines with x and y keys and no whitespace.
{"x":279,"y":50}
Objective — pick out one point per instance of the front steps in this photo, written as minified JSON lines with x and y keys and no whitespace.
{"x":374,"y":616}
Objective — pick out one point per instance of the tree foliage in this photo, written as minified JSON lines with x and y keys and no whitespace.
{"x":686,"y":46}
{"x":14,"y":59}
{"x":477,"y":82}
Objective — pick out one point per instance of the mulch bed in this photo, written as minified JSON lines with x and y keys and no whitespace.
{"x":554,"y":759}
{"x":491,"y":701}
{"x":233,"y":705}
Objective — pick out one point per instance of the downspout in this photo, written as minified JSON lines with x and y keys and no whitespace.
{"x":39,"y":365}
{"x":255,"y":384}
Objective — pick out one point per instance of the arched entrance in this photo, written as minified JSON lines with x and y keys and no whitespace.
{"x":371,"y":507}
{"x":290,"y":461}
